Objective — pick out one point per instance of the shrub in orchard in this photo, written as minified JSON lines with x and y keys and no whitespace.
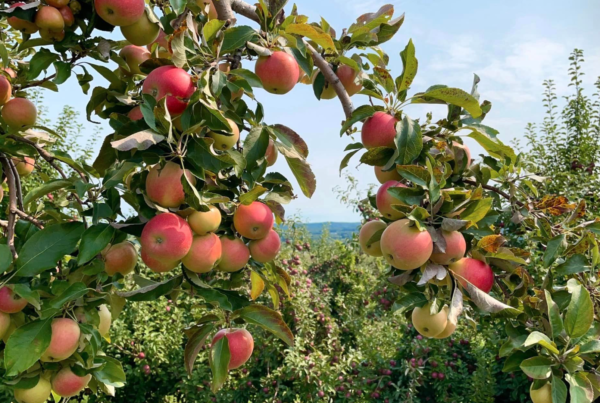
{"x":241,"y":345}
{"x":40,"y":393}
{"x":266,"y":249}
{"x":224,"y":142}
{"x":11,"y":302}
{"x":134,"y":56}
{"x":253,"y":221}
{"x":26,"y":27}
{"x":203,"y":222}
{"x":120,"y":12}
{"x":49,"y":18}
{"x":454,"y":250}
{"x":428,"y":324}
{"x":165,"y":240}
{"x":235,"y":254}
{"x":385,"y":201}
{"x":142,"y":32}
{"x":542,"y":394}
{"x":64,"y":341}
{"x":475,"y":272}
{"x":387,"y":176}
{"x":366,"y":233}
{"x":67,"y":384}
{"x":172,"y":83}
{"x":24,"y":165}
{"x":204,"y":254}
{"x":278,"y":72}
{"x":379,"y":130}
{"x":405,"y":246}
{"x":163,"y":184}
{"x":19,"y":113}
{"x":120,"y":258}
{"x":5,"y":90}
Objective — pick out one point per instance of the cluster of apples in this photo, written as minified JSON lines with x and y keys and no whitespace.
{"x":64,"y":343}
{"x":406,"y":247}
{"x":17,"y":113}
{"x":51,"y":19}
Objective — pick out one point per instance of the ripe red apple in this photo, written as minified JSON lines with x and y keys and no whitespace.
{"x":49,"y":18}
{"x":386,"y":176}
{"x":379,"y":131}
{"x":134,"y":56}
{"x":57,"y":3}
{"x":24,"y":165}
{"x":279,"y":72}
{"x":5,"y":90}
{"x":67,"y":15}
{"x":142,"y":32}
{"x":158,"y":266}
{"x":173,"y":83}
{"x":120,"y":12}
{"x":11,"y":302}
{"x":53,"y":36}
{"x":405,"y":247}
{"x":204,"y":254}
{"x":385,"y":201}
{"x":429,"y":325}
{"x":241,"y":345}
{"x":366,"y":233}
{"x":4,"y":324}
{"x":26,"y":27}
{"x":120,"y":258}
{"x":203,"y":222}
{"x":235,"y":255}
{"x":224,"y":142}
{"x":466,"y":150}
{"x":253,"y":221}
{"x":475,"y":272}
{"x":348,"y":77}
{"x":166,"y":238}
{"x":64,"y":341}
{"x":164,"y":187}
{"x":66,"y":384}
{"x":19,"y":113}
{"x":456,"y":246}
{"x":271,"y":154}
{"x":40,"y":393}
{"x":266,"y":249}
{"x":135,"y":114}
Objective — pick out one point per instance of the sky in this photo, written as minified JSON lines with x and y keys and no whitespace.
{"x":512,"y":45}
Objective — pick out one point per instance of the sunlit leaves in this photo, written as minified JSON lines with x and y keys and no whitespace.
{"x":26,"y":345}
{"x":267,"y":319}
{"x":580,"y":313}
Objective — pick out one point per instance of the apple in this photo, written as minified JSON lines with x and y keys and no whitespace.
{"x":379,"y":131}
{"x":53,"y":36}
{"x":120,"y":258}
{"x":429,"y":325}
{"x":142,"y":32}
{"x":466,"y":150}
{"x":241,"y":345}
{"x":159,"y":266}
{"x":11,"y":302}
{"x":164,"y":187}
{"x":456,"y":246}
{"x":105,"y":320}
{"x":57,"y":3}
{"x":40,"y":393}
{"x":204,"y":254}
{"x":120,"y":12}
{"x":279,"y":72}
{"x":66,"y":384}
{"x":475,"y":272}
{"x":67,"y":15}
{"x":385,"y":201}
{"x":541,"y":395}
{"x":165,"y":239}
{"x":405,"y":247}
{"x":224,"y":142}
{"x":266,"y":249}
{"x":173,"y":83}
{"x":134,"y":56}
{"x":271,"y":154}
{"x":64,"y":341}
{"x":235,"y":255}
{"x":4,"y":324}
{"x":135,"y":114}
{"x":5,"y":90}
{"x":164,"y":48}
{"x":26,"y":27}
{"x":203,"y":222}
{"x":24,"y":165}
{"x":11,"y":73}
{"x":49,"y":18}
{"x":447,"y":332}
{"x":19,"y":113}
{"x":253,"y":221}
{"x":386,"y":176}
{"x":348,"y":77}
{"x":366,"y":233}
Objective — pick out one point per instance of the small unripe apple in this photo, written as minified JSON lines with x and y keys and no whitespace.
{"x":385,"y":201}
{"x":429,"y":325}
{"x":57,"y":3}
{"x":49,"y":18}
{"x":67,"y":15}
{"x":53,"y":36}
{"x":366,"y":233}
{"x":541,"y":395}
{"x":142,"y":32}
{"x":271,"y":154}
{"x":135,"y":114}
{"x":447,"y":332}
{"x":203,"y":222}
{"x":4,"y":324}
{"x":40,"y":393}
{"x":224,"y":142}
{"x":19,"y":113}
{"x":105,"y":320}
{"x":386,"y":176}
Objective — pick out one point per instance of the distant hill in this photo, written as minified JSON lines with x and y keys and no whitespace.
{"x":338,"y":230}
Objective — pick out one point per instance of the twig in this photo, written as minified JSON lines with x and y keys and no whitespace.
{"x":18,"y":183}
{"x":12,"y":205}
{"x":29,"y":218}
{"x":495,"y":190}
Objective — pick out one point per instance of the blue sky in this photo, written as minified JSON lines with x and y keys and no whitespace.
{"x":512,"y":45}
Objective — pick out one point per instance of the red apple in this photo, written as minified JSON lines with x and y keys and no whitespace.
{"x":173,"y":83}
{"x":348,"y":77}
{"x":66,"y":384}
{"x":67,"y":15}
{"x":49,"y":18}
{"x":271,"y":154}
{"x":253,"y":221}
{"x":241,"y":345}
{"x":406,"y":247}
{"x":166,"y":238}
{"x":120,"y":258}
{"x":134,"y":56}
{"x":5,"y":90}
{"x":11,"y":302}
{"x":386,"y":176}
{"x":64,"y":341}
{"x":135,"y":114}
{"x":204,"y":254}
{"x":26,"y":27}
{"x":266,"y":249}
{"x":120,"y":12}
{"x":235,"y":255}
{"x":57,"y":3}
{"x":24,"y":165}
{"x":475,"y":272}
{"x":19,"y":113}
{"x":385,"y":200}
{"x":164,"y":187}
{"x":366,"y":233}
{"x":279,"y":72}
{"x":379,"y":131}
{"x":456,"y":246}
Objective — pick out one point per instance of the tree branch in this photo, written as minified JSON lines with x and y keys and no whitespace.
{"x":495,"y":190}
{"x":12,"y":205}
{"x":225,"y":11}
{"x":242,"y":8}
{"x":29,"y":218}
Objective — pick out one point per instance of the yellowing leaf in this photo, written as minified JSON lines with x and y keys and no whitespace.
{"x":323,"y":39}
{"x":491,"y":243}
{"x":258,"y":285}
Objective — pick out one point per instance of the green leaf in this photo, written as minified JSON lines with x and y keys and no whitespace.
{"x":537,"y":367}
{"x":200,"y":155}
{"x":408,"y":140}
{"x":53,"y":306}
{"x":559,"y":390}
{"x":542,"y":340}
{"x":25,"y":292}
{"x":591,"y":347}
{"x":513,"y":361}
{"x":236,"y":37}
{"x":255,"y":146}
{"x":300,"y":168}
{"x":26,"y":345}
{"x":410,"y":196}
{"x":359,"y":114}
{"x":494,"y":147}
{"x":453,"y":96}
{"x":269,"y":320}
{"x":581,"y":390}
{"x":580,"y":313}
{"x":556,"y":322}
{"x":555,"y":245}
{"x":108,"y":74}
{"x":219,"y":363}
{"x":152,"y":291}
{"x":291,"y":139}
{"x":249,"y":76}
{"x":111,"y":372}
{"x":48,"y":187}
{"x":313,"y":33}
{"x":477,"y":210}
{"x":45,"y":248}
{"x":93,"y":241}
{"x":194,"y":345}
{"x":574,"y":264}
{"x":411,"y":65}
{"x":6,"y":258}
{"x":40,"y":62}
{"x":63,"y":72}
{"x":409,"y":301}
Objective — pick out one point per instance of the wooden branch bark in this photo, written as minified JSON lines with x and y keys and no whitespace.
{"x":12,"y":205}
{"x":224,"y":10}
